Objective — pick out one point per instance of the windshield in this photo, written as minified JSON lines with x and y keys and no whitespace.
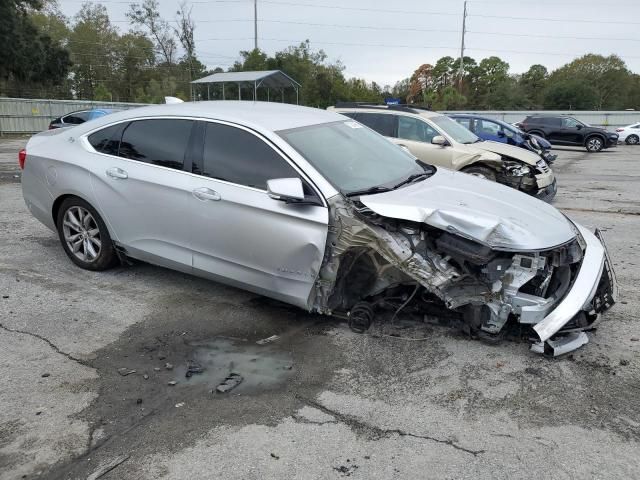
{"x":452,"y":128}
{"x":352,"y":157}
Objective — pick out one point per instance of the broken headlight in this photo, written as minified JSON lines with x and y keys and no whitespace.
{"x":515,"y":169}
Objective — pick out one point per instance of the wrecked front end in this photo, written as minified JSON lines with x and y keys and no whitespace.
{"x":537,"y":180}
{"x":551,"y":295}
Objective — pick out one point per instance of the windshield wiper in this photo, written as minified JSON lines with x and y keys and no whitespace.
{"x":368,"y":191}
{"x":412,"y":178}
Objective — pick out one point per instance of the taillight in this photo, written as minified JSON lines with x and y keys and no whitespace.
{"x":22,"y":157}
{"x":51,"y":127}
{"x":619,"y":129}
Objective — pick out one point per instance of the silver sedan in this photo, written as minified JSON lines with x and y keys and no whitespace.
{"x":314,"y":209}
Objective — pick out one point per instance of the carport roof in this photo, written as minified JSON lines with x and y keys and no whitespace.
{"x":263,"y":78}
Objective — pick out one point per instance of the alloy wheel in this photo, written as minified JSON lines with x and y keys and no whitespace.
{"x":594,"y":145}
{"x":633,"y":140}
{"x":82,"y":234}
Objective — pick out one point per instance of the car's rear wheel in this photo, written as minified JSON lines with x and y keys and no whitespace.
{"x":84,"y":235}
{"x":633,"y":140}
{"x":594,"y":144}
{"x":482,"y":172}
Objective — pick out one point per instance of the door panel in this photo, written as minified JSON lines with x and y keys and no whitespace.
{"x":240,"y":235}
{"x":416,"y":135}
{"x":145,"y":197}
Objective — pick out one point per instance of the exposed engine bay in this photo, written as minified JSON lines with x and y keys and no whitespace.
{"x":373,"y":261}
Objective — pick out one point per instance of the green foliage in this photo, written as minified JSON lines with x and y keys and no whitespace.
{"x":323,"y":83}
{"x":29,"y":57}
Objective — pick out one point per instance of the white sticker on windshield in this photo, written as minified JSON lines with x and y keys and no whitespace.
{"x":353,"y":124}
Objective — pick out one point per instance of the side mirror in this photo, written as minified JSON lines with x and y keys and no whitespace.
{"x":579,"y":127}
{"x":439,"y":140}
{"x":501,"y":134}
{"x":288,"y":190}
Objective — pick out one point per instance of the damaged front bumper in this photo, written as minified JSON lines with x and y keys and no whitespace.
{"x":593,"y":291}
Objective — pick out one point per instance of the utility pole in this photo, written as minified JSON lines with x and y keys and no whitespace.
{"x":255,"y":24}
{"x":464,"y":30}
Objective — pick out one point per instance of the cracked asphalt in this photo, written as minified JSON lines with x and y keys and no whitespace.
{"x":86,"y":360}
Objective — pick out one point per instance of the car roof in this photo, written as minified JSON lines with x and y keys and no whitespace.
{"x":397,"y":109}
{"x":269,"y":116}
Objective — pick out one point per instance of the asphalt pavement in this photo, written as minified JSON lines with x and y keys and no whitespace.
{"x":88,"y":363}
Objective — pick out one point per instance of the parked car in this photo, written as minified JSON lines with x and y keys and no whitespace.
{"x":81,"y":116}
{"x":565,"y":130}
{"x":437,"y":139}
{"x":503,"y":132}
{"x":629,"y":134}
{"x":311,"y":208}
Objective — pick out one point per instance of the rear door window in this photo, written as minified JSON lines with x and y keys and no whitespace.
{"x":384,"y":124}
{"x":158,"y":142}
{"x":237,"y":156}
{"x":107,"y":140}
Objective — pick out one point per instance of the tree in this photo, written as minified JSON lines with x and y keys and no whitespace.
{"x":30,"y":60}
{"x":572,"y":94}
{"x":533,"y":83}
{"x":93,"y":44}
{"x":186,"y":27}
{"x":147,"y":15}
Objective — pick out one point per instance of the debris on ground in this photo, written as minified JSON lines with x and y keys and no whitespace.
{"x":635,"y":339}
{"x":624,"y":362}
{"x":179,"y":404}
{"x":193,"y":368}
{"x":172,"y":383}
{"x":125,"y":371}
{"x":273,"y":455}
{"x":346,"y":471}
{"x":106,"y":467}
{"x":157,"y":369}
{"x":45,"y":375}
{"x":168,"y":366}
{"x":139,"y":401}
{"x":270,"y":339}
{"x":145,"y":376}
{"x":229,"y":383}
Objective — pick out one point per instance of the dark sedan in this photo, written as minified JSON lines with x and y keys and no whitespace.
{"x":81,"y":116}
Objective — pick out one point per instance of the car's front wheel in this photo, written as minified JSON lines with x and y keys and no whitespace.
{"x":594,"y":144}
{"x":482,"y":172}
{"x":632,"y":140}
{"x":84,"y":235}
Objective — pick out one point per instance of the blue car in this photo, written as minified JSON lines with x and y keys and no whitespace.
{"x":503,"y":132}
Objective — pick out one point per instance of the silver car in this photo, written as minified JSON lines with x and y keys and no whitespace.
{"x":311,"y":208}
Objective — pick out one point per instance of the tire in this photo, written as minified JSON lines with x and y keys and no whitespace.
{"x":84,"y":235}
{"x":632,"y":140}
{"x":482,"y":172}
{"x":594,"y":144}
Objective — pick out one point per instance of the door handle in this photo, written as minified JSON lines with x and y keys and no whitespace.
{"x":116,"y":172}
{"x":206,"y":194}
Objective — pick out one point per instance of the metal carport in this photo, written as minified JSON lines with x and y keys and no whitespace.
{"x":268,"y":79}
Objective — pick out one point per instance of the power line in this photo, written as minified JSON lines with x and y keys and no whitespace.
{"x":566,"y":20}
{"x":555,"y":36}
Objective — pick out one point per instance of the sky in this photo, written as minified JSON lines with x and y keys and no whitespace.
{"x":385,"y":41}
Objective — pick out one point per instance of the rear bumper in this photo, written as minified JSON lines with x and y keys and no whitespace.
{"x":594,"y":290}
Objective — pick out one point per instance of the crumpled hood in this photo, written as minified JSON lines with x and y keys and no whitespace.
{"x":516,"y":153}
{"x":478,"y":209}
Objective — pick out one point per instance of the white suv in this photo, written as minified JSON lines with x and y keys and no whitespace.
{"x":438,"y":140}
